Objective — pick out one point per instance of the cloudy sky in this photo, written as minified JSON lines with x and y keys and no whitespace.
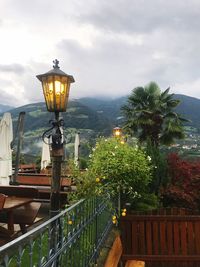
{"x":109,"y":47}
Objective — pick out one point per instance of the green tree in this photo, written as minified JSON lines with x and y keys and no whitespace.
{"x":149,"y":113}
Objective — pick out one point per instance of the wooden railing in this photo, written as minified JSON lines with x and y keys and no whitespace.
{"x":160,"y":239}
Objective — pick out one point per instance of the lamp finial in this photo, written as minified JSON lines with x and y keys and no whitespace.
{"x":56,"y":62}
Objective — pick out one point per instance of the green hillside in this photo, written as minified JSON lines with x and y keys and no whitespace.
{"x":108,"y":107}
{"x":78,"y":118}
{"x":190,"y":109}
{"x":90,"y":116}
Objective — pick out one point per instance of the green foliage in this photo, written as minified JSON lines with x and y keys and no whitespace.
{"x":116,"y":168}
{"x":83,"y":163}
{"x":21,"y":158}
{"x":148,"y":202}
{"x":38,"y":162}
{"x":159,"y":172}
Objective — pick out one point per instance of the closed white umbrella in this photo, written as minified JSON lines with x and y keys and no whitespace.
{"x":46,"y":159}
{"x":76,"y":149}
{"x":6,"y":137}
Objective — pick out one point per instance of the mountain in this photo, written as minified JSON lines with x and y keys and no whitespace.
{"x":108,"y":107}
{"x":4,"y":108}
{"x":190,"y":109}
{"x":92,"y":117}
{"x":78,"y":118}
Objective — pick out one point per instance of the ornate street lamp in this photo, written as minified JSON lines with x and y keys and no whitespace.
{"x":117,"y":132}
{"x":56,"y":86}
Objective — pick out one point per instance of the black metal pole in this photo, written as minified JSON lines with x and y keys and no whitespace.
{"x":57,"y":155}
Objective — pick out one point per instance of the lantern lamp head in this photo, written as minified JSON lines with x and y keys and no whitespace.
{"x":56,"y":87}
{"x":117,"y":132}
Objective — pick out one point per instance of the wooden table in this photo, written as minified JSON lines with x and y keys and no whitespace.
{"x":10,"y":205}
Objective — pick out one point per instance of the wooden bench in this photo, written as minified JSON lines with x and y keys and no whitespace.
{"x":43,"y":184}
{"x":42,"y":180}
{"x":170,"y":240}
{"x":19,"y":191}
{"x":3,"y":232}
{"x":115,"y":253}
{"x":26,"y":215}
{"x":114,"y":256}
{"x":23,"y":215}
{"x":134,"y":263}
{"x":27,"y":168}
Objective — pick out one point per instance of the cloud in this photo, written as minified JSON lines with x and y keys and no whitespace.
{"x":15,"y":68}
{"x":143,"y":16}
{"x":8,"y":98}
{"x":109,"y":47}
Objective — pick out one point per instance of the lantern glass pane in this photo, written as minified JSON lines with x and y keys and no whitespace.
{"x":48,"y":93}
{"x":117,"y":132}
{"x":56,"y":92}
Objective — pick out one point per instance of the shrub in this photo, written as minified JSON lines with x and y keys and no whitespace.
{"x":116,"y":168}
{"x":184,"y":186}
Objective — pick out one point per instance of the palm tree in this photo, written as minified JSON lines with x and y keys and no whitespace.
{"x":149,"y":113}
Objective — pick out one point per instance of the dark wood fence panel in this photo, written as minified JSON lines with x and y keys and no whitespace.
{"x":160,"y":239}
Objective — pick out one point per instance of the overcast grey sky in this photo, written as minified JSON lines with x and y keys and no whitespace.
{"x":109,"y":47}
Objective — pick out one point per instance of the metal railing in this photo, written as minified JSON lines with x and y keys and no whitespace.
{"x":73,"y":238}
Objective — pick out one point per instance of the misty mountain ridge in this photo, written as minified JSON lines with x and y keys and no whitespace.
{"x":5,"y":108}
{"x":92,"y":117}
{"x":81,"y":112}
{"x":105,"y":108}
{"x":77,"y":118}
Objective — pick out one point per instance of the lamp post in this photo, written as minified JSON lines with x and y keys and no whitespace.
{"x":56,"y":86}
{"x":117,"y":133}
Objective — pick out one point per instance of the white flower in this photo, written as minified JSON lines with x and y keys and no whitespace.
{"x":116,"y":147}
{"x":90,"y":155}
{"x":149,"y":158}
{"x":113,"y":153}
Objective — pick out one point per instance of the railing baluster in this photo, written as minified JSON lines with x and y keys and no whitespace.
{"x":71,"y":238}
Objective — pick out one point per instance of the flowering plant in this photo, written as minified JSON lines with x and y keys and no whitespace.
{"x":114,"y":167}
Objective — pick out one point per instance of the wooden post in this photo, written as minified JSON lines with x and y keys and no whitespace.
{"x":19,"y":132}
